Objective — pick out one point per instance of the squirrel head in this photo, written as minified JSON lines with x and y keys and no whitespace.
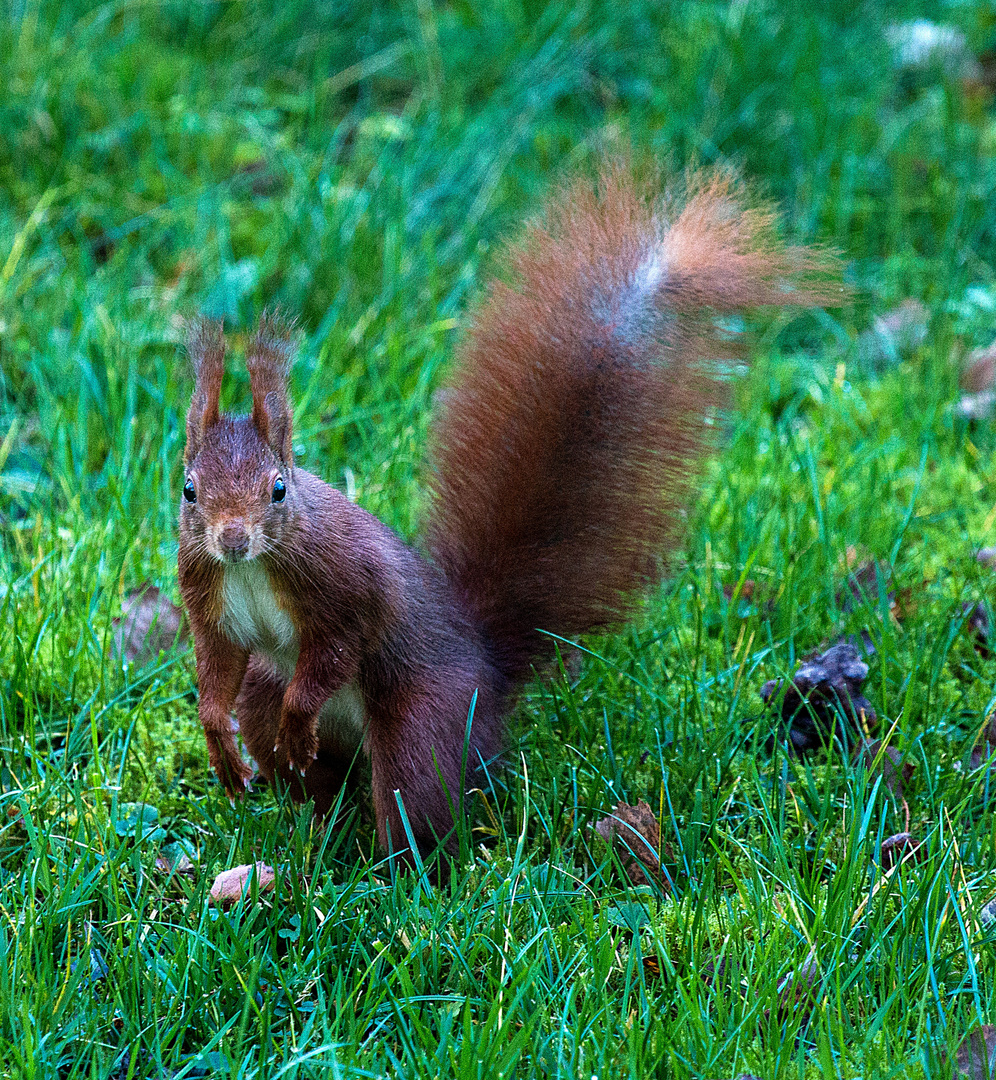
{"x":238,"y":495}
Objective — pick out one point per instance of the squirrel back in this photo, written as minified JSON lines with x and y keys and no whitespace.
{"x":568,"y":443}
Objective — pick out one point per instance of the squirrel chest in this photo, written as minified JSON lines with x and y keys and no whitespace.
{"x":252,"y":616}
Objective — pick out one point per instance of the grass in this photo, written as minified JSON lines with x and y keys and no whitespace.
{"x":357,"y":164}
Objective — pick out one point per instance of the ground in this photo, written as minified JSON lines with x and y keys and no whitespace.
{"x":357,"y":165}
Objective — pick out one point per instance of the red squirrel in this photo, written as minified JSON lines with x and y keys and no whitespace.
{"x":564,"y":457}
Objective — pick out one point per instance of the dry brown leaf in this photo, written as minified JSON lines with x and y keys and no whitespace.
{"x":232,"y":884}
{"x":978,"y":376}
{"x":978,"y":626}
{"x":907,"y":601}
{"x":753,"y":596}
{"x":861,"y":586}
{"x":640,"y":841}
{"x":896,"y":773}
{"x":976,"y":1056}
{"x":797,"y":991}
{"x":899,"y":848}
{"x":895,"y":335}
{"x":724,"y":976}
{"x":149,"y":623}
{"x":651,"y":967}
{"x":175,"y":863}
{"x":978,"y":372}
{"x":986,"y":745}
{"x":746,"y":593}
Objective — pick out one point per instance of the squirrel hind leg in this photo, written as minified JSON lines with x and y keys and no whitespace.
{"x":421,"y":758}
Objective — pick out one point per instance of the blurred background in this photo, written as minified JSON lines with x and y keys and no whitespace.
{"x":354,"y":162}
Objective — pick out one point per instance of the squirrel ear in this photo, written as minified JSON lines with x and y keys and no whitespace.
{"x":269,"y":359}
{"x":206,"y":346}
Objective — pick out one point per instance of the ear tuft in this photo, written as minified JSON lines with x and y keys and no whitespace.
{"x":269,"y":358}
{"x":276,"y":331}
{"x":206,"y":347}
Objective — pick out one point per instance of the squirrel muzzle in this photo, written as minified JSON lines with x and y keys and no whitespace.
{"x":232,"y":541}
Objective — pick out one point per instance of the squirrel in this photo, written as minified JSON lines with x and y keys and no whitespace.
{"x":564,"y":460}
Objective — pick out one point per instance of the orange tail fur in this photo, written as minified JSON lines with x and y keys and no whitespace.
{"x":570,"y":439}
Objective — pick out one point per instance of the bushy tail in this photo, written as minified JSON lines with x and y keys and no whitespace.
{"x":568,"y":442}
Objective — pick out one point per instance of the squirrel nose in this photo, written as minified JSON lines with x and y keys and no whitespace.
{"x":234,"y":538}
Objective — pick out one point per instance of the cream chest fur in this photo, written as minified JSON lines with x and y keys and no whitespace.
{"x":251,"y":616}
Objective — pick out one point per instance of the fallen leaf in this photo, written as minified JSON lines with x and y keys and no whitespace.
{"x":183,"y":865}
{"x":258,"y":177}
{"x":640,"y":841}
{"x":976,"y":1056}
{"x":978,"y":376}
{"x":894,"y":335}
{"x":902,"y":847}
{"x":797,"y":991}
{"x":978,"y":372}
{"x":751,"y":597}
{"x":724,"y":976}
{"x":983,"y":749}
{"x":906,"y":601}
{"x":823,"y":689}
{"x":232,"y":884}
{"x":149,"y":623}
{"x":978,"y":626}
{"x":987,"y":556}
{"x":862,"y":586}
{"x":896,"y":773}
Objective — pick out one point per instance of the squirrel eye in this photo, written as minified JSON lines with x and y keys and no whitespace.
{"x":188,"y":491}
{"x":279,"y":489}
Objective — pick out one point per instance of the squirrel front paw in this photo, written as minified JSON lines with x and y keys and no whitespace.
{"x":229,"y":767}
{"x":300,"y":745}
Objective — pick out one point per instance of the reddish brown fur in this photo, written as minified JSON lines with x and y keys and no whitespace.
{"x":268,"y":361}
{"x":206,"y":346}
{"x":569,"y":442}
{"x":366,"y":610}
{"x":566,"y":450}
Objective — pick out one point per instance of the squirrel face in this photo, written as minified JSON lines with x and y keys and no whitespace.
{"x":238,"y":492}
{"x":237,"y":495}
